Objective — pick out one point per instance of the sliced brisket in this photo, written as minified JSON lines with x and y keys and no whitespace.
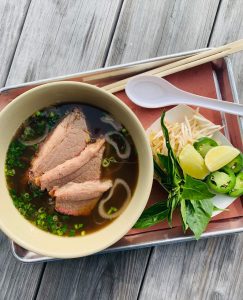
{"x":79,"y":198}
{"x":84,"y":167}
{"x":66,"y":141}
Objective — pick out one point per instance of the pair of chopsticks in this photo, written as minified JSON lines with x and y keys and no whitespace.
{"x":183,"y":64}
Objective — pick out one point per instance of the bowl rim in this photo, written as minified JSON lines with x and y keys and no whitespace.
{"x":132,"y":217}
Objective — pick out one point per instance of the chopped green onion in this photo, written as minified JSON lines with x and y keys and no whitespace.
{"x":112,"y":210}
{"x":26,"y":196}
{"x":41,"y":210}
{"x":106,"y":161}
{"x":60,"y":232}
{"x":72,"y":232}
{"x":78,"y":226}
{"x":10,"y":172}
{"x":58,"y":224}
{"x":55,"y":218}
{"x":15,"y":151}
{"x":36,"y":146}
{"x":83,"y":232}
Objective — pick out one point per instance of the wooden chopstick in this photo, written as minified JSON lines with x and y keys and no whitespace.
{"x":198,"y":62}
{"x":183,"y":64}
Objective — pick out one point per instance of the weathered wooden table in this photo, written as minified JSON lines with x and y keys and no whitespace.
{"x":44,"y":38}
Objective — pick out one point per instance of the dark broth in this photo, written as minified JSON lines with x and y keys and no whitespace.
{"x":37,"y":206}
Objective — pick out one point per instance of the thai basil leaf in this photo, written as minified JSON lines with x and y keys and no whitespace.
{"x":153,"y":215}
{"x":162,"y":176}
{"x":173,"y":200}
{"x":164,"y":162}
{"x":198,"y":215}
{"x":207,"y":206}
{"x":183,"y":214}
{"x":174,"y":170}
{"x":159,"y":172}
{"x":190,"y":194}
{"x":195,"y":189}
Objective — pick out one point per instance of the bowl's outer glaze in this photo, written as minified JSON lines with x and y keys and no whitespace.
{"x":15,"y":226}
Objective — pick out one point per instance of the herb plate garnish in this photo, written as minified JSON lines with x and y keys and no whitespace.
{"x":192,"y":197}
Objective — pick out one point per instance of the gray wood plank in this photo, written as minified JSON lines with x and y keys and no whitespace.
{"x":31,"y":62}
{"x":58,"y":37}
{"x":153,"y":27}
{"x":229,"y":27}
{"x":110,"y":276}
{"x":146,"y":29}
{"x":12,"y":17}
{"x":207,"y":269}
{"x":62,"y":37}
{"x":114,"y":286}
{"x":17,"y":280}
{"x":113,"y":271}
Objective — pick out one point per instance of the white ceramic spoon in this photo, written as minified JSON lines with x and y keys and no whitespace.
{"x":153,"y":92}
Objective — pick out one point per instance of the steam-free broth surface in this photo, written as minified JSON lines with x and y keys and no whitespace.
{"x":38,"y":206}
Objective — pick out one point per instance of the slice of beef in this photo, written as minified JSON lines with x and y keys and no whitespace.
{"x":88,"y":161}
{"x":81,"y":191}
{"x":78,"y":199}
{"x":66,"y":141}
{"x":76,"y":208}
{"x":91,"y":170}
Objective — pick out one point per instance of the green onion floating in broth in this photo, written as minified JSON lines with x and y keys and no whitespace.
{"x":14,"y":158}
{"x":112,"y":210}
{"x":106,"y":161}
{"x":37,"y":127}
{"x":37,"y":140}
{"x":101,"y":208}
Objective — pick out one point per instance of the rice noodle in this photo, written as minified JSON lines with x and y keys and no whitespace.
{"x":109,"y":120}
{"x":101,"y":207}
{"x":109,"y":140}
{"x":35,"y":141}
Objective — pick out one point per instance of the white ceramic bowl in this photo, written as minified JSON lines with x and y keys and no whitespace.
{"x":15,"y":226}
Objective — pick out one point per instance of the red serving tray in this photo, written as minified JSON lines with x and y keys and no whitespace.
{"x":199,"y":80}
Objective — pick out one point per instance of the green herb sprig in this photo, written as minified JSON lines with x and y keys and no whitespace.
{"x":190,"y":195}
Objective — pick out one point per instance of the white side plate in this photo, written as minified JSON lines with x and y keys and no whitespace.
{"x":177,"y":114}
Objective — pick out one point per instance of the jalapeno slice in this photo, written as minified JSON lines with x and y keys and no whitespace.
{"x":236,"y":164}
{"x":204,"y":144}
{"x":221,"y":181}
{"x":237,"y":191}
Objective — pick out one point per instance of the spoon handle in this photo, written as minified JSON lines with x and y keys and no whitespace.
{"x":219,"y":105}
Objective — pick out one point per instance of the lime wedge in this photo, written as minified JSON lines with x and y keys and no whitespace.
{"x":219,"y":156}
{"x":192,"y":162}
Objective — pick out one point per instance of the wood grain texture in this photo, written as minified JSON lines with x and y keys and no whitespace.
{"x":12,"y":16}
{"x":110,"y":276}
{"x":62,"y":37}
{"x":207,"y":269}
{"x":229,"y":27}
{"x":153,"y":27}
{"x":40,"y":54}
{"x":17,"y":280}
